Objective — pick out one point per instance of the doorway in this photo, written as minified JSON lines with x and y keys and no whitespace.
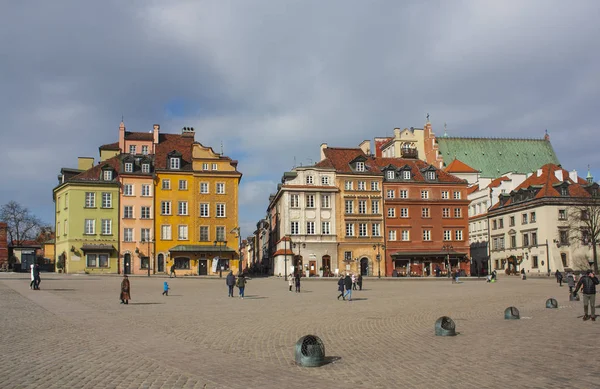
{"x":364,"y":267}
{"x":312,"y":268}
{"x":202,"y":267}
{"x":127,"y":264}
{"x":326,"y":261}
{"x":426,"y":269}
{"x":161,"y":263}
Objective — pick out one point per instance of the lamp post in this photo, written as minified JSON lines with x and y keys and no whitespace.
{"x":148,"y":241}
{"x":378,"y":246}
{"x":237,"y":231}
{"x":285,"y":255}
{"x":221,"y":243}
{"x":448,"y":248}
{"x":300,"y":246}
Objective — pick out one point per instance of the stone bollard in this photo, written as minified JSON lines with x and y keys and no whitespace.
{"x":444,"y":326}
{"x":310,"y":351}
{"x":511,"y":313}
{"x":551,"y":303}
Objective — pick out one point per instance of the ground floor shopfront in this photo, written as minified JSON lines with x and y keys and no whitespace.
{"x":199,"y":260}
{"x":311,"y":259}
{"x":427,"y":264}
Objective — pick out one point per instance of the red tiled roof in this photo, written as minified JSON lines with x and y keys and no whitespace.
{"x":415,"y":166}
{"x":339,"y":158}
{"x":496,"y":182}
{"x":457,"y":166}
{"x":139,"y":136}
{"x":283,"y":252}
{"x":173,"y":142}
{"x":472,"y":189}
{"x":110,"y":146}
{"x":93,"y":174}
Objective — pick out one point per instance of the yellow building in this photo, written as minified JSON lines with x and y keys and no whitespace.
{"x":196,"y":203}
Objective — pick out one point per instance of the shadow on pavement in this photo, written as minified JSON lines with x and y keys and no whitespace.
{"x":144,"y":303}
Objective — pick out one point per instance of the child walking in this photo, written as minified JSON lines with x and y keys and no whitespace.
{"x":290,"y":281}
{"x":166,"y":289}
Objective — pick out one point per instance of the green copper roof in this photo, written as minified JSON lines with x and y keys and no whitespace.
{"x":496,"y":156}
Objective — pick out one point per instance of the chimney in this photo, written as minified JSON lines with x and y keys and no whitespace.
{"x":365,"y":146}
{"x":122,"y":137}
{"x":397,"y":133}
{"x":188,"y":132}
{"x":323,"y":147}
{"x":573,"y":175}
{"x":85,"y":163}
{"x":559,"y":174}
{"x":156,"y":129}
{"x":539,"y":172}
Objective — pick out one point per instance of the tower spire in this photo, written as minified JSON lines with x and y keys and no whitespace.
{"x":589,"y":178}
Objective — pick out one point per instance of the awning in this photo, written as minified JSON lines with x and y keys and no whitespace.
{"x":98,"y":247}
{"x":187,"y":248}
{"x":427,"y":254}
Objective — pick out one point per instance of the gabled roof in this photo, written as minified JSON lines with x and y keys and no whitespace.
{"x":497,"y":181}
{"x":417,"y":167}
{"x":148,"y":136}
{"x":472,"y":189}
{"x":496,"y":156}
{"x":173,"y":142}
{"x":340,"y":158}
{"x":110,"y":146}
{"x":457,"y":166}
{"x":93,"y":174}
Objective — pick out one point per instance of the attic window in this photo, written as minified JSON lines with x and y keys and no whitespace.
{"x":430,"y":175}
{"x":406,"y":175}
{"x":360,"y":166}
{"x":107,"y":175}
{"x":128,"y":167}
{"x":564,"y":191}
{"x":145,"y":168}
{"x":309,"y":180}
{"x":174,"y":163}
{"x":390,"y":174}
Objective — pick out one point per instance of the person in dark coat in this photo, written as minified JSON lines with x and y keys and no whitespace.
{"x":36,"y":277}
{"x":173,"y":271}
{"x":125,"y":290}
{"x":297,"y":281}
{"x":359,"y":281}
{"x":559,"y":277}
{"x":588,"y":284}
{"x":571,"y":281}
{"x":230,"y":281}
{"x":241,"y":284}
{"x":341,"y":288}
{"x":348,"y":286}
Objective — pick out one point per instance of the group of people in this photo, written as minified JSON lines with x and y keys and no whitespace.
{"x":35,"y":277}
{"x":294,"y":280}
{"x":233,"y":281}
{"x":347,"y":284}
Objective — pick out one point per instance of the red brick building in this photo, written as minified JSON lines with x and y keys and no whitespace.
{"x":3,"y":245}
{"x":426,"y":218}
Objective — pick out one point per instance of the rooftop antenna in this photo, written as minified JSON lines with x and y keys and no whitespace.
{"x":427,"y":117}
{"x":221,"y":147}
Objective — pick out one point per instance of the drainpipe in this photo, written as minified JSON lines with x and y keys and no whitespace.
{"x":548,"y":256}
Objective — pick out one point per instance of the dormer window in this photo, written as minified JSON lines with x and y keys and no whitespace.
{"x":145,"y":150}
{"x":564,"y":191}
{"x":325,"y":180}
{"x":360,"y":166}
{"x":145,"y":168}
{"x":430,"y":175}
{"x":406,"y":175}
{"x":132,"y":149}
{"x":309,"y":180}
{"x":128,"y":167}
{"x":107,"y":175}
{"x":174,"y":163}
{"x":390,"y":175}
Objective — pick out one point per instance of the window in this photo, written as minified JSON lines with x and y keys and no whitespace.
{"x":215,"y":166}
{"x":66,"y":200}
{"x":128,"y":212}
{"x":204,"y":234}
{"x":144,"y":263}
{"x":310,"y":201}
{"x":405,"y":235}
{"x":220,"y":210}
{"x":360,"y":166}
{"x":90,"y":199}
{"x":406,"y":175}
{"x":145,"y":214}
{"x":99,"y":260}
{"x":445,"y":195}
{"x":525,"y":240}
{"x":324,"y":180}
{"x":563,"y":237}
{"x":108,"y":175}
{"x":165,"y":232}
{"x":562,"y":214}
{"x":348,"y":185}
{"x":182,"y":208}
{"x":128,"y":167}
{"x":294,"y":201}
{"x":535,"y":262}
{"x":524,"y":221}
{"x":294,"y":228}
{"x":563,"y":258}
{"x":310,"y":228}
{"x":128,"y":190}
{"x":564,"y":191}
{"x":145,"y":234}
{"x":309,"y":180}
{"x":220,"y":188}
{"x":183,"y":185}
{"x":174,"y":163}
{"x":513,"y":241}
{"x":145,"y":150}
{"x":404,"y":194}
{"x":426,"y":235}
{"x":106,"y":200}
{"x":494,"y":224}
{"x":447,"y":235}
{"x":362,"y":229}
{"x":458,"y":213}
{"x":166,"y":184}
{"x":131,"y":149}
{"x":495,"y":244}
{"x":390,"y":174}
{"x":204,"y":187}
{"x":458,"y":235}
{"x":182,"y":263}
{"x":403,"y":212}
{"x":128,"y":235}
{"x":425,"y":212}
{"x":534,"y":239}
{"x":145,"y":190}
{"x":456,"y":195}
{"x":220,"y":233}
{"x":106,"y":227}
{"x":430,"y":175}
{"x":326,"y":228}
{"x":501,"y":223}
{"x":511,"y":221}
{"x":375,"y":206}
{"x":145,"y":168}
{"x":362,"y":185}
{"x":347,"y":255}
{"x":349,"y":206}
{"x":391,"y":235}
{"x":204,"y":166}
{"x":362,"y":206}
{"x":532,"y":217}
{"x":376,"y":229}
{"x":374,"y":185}
{"x":182,"y":232}
{"x":390,"y":194}
{"x":204,"y":210}
{"x":424,"y":194}
{"x":325,"y":201}
{"x":391,"y":212}
{"x":349,"y":229}
{"x":90,"y":226}
{"x":446,"y":212}
{"x":165,"y":207}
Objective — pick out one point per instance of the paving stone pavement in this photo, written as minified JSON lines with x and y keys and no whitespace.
{"x":74,"y":334}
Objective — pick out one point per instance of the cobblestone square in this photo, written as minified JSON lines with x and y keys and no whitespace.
{"x":73,"y":333}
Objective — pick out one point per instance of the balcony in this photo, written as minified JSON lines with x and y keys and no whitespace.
{"x":409,"y":153}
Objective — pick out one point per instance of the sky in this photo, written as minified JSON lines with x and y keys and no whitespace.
{"x":272,"y":80}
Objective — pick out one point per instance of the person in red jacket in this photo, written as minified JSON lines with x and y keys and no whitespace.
{"x":588,"y":284}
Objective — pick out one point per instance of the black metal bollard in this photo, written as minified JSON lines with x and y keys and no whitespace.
{"x":551,"y":303}
{"x":511,"y":313}
{"x":310,"y":351}
{"x":444,"y":326}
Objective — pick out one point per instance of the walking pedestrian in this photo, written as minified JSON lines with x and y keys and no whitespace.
{"x":36,"y":277}
{"x":570,"y":281}
{"x":341,"y":288}
{"x":166,"y":288}
{"x":32,"y":277}
{"x":125,"y":290}
{"x":348,"y":285}
{"x":523,"y":276}
{"x":353,"y":281}
{"x":559,"y":277}
{"x":173,"y":271}
{"x":359,"y":281}
{"x":241,"y":284}
{"x":230,"y":281}
{"x":297,"y":282}
{"x":588,"y":284}
{"x":291,"y":281}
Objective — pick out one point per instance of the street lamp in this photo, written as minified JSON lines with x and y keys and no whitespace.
{"x":300,"y":246}
{"x":236,"y":230}
{"x":221,"y":243}
{"x":286,"y":254}
{"x":378,"y":245}
{"x":148,"y":241}
{"x":448,"y":248}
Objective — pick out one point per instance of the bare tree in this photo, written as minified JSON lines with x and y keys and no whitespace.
{"x":22,"y":225}
{"x":584,"y":225}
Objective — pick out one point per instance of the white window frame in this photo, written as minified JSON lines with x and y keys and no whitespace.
{"x":392,"y":235}
{"x":406,"y":175}
{"x":360,"y":166}
{"x":390,"y":194}
{"x":446,"y":195}
{"x":90,"y":226}
{"x":294,"y":228}
{"x":215,"y":166}
{"x":146,"y":190}
{"x":403,"y":193}
{"x":145,"y":212}
{"x":166,"y":184}
{"x":128,"y":167}
{"x":425,"y":213}
{"x":362,"y":185}
{"x":128,"y":190}
{"x":348,"y":185}
{"x":427,"y":235}
{"x":445,"y":213}
{"x":309,"y":180}
{"x":424,"y":194}
{"x":447,"y":234}
{"x":220,"y":210}
{"x":363,"y":230}
{"x":390,"y":174}
{"x":349,"y":229}
{"x":220,"y":188}
{"x":405,"y":235}
{"x":145,"y":149}
{"x":182,"y":208}
{"x":294,"y":200}
{"x":128,"y":235}
{"x":183,"y":185}
{"x":132,"y":149}
{"x":375,"y":207}
{"x":182,"y":232}
{"x":310,"y":228}
{"x":174,"y":163}
{"x":310,"y":201}
{"x":165,"y":208}
{"x":90,"y":200}
{"x":457,"y":213}
{"x":107,"y":175}
{"x":362,"y":207}
{"x":204,"y":188}
{"x":325,"y":180}
{"x":374,"y":185}
{"x":204,"y":210}
{"x":106,"y":227}
{"x":106,"y":200}
{"x":128,"y":212}
{"x":165,"y":232}
{"x":145,"y":168}
{"x":404,"y":212}
{"x":456,"y":195}
{"x":458,"y":235}
{"x":145,"y":234}
{"x":325,"y":201}
{"x":391,"y":212}
{"x":326,"y":228}
{"x":202,"y":230}
{"x":349,"y":206}
{"x":375,"y":229}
